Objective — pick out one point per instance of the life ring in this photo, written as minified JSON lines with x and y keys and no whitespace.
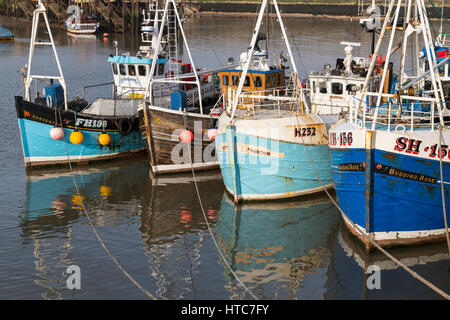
{"x":125,"y":126}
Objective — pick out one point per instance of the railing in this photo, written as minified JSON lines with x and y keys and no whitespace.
{"x":83,"y":90}
{"x":413,"y":113}
{"x":274,"y":99}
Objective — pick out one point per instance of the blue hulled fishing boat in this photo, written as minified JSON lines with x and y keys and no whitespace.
{"x":268,"y":136}
{"x":56,"y":131}
{"x":5,"y":34}
{"x":390,"y":158}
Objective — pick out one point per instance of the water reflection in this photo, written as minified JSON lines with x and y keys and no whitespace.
{"x":277,"y":247}
{"x":348,"y":272}
{"x":159,"y":220}
{"x":173,"y":231}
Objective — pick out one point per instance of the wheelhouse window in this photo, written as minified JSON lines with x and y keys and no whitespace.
{"x":247,"y":81}
{"x":142,"y":71}
{"x":225,"y":80}
{"x":258,"y":81}
{"x":161,"y":69}
{"x":349,"y":88}
{"x":235,"y":80}
{"x":122,"y":70}
{"x":114,"y":68}
{"x":337,"y":88}
{"x":131,"y":70}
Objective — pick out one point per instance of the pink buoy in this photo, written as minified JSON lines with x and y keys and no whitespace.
{"x":186,"y":136}
{"x":56,"y":133}
{"x":212,"y":134}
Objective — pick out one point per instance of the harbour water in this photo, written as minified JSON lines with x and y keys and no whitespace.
{"x":161,"y":230}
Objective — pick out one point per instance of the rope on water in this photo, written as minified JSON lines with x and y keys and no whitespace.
{"x":206,"y":219}
{"x":442,"y":189}
{"x":95,"y":230}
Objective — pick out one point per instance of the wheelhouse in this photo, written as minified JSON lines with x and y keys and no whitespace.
{"x":255,"y":81}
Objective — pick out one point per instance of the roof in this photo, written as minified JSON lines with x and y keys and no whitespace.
{"x":254,"y":71}
{"x":134,"y":60}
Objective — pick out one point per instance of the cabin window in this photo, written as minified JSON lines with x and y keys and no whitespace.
{"x":235,"y":80}
{"x":323,"y":87}
{"x":142,"y":71}
{"x":314,"y":87}
{"x":258,"y":81}
{"x":161,"y":69}
{"x":337,"y":88}
{"x":225,"y":80}
{"x":247,"y":81}
{"x":131,"y":70}
{"x":114,"y":68}
{"x":122,"y":69}
{"x":349,"y":87}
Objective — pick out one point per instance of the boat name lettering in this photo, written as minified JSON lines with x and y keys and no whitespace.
{"x":344,"y":139}
{"x":412,"y":146}
{"x":305,"y":132}
{"x":354,"y":166}
{"x":260,"y":151}
{"x":390,"y":171}
{"x":91,"y":123}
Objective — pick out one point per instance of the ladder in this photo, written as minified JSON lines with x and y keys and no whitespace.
{"x":172,"y":41}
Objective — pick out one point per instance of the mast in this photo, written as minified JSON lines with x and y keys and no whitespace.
{"x":36,"y":15}
{"x":415,"y":23}
{"x":173,"y":78}
{"x":252,"y":49}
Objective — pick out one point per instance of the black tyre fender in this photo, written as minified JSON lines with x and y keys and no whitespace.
{"x":125,"y":126}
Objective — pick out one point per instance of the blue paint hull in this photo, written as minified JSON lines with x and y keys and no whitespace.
{"x":402,"y":207}
{"x":39,"y":149}
{"x":285,"y":173}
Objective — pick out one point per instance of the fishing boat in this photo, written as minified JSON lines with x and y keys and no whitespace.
{"x":275,"y":247}
{"x":333,"y":89}
{"x":79,"y":22}
{"x":180,"y":108}
{"x":390,"y":160}
{"x":267,"y":138}
{"x":5,"y":34}
{"x":55,"y":131}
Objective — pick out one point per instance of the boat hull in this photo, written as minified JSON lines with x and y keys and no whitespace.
{"x":40,"y":150}
{"x":257,"y":167}
{"x":388,"y":184}
{"x":167,"y":153}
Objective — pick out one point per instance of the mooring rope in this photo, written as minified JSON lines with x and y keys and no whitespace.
{"x":442,"y":189}
{"x":206,"y":219}
{"x":95,"y":230}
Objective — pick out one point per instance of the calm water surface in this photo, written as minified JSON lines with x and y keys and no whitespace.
{"x":294,"y":249}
